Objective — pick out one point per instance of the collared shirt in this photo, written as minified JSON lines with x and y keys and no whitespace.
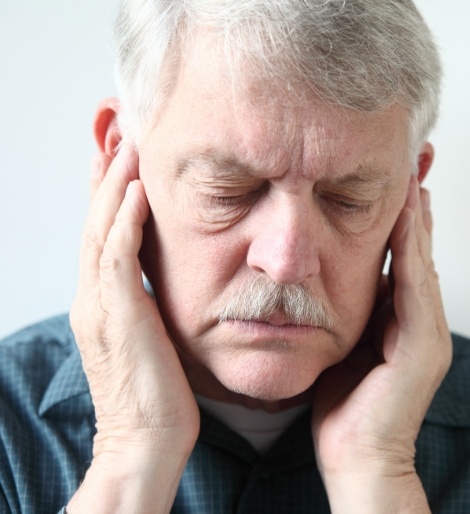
{"x":47,"y":426}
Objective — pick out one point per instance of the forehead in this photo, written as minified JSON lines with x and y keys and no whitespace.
{"x":225,"y":114}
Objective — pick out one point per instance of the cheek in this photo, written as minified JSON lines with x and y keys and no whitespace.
{"x":352,"y":268}
{"x":351,"y":277}
{"x":190,"y":273}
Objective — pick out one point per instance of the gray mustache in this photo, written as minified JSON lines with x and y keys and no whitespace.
{"x":262,"y":298}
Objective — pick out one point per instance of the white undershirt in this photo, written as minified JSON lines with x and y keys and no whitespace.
{"x":258,"y":427}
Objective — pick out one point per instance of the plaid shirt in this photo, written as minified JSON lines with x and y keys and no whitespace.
{"x":47,"y":427}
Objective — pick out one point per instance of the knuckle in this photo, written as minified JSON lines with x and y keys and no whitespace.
{"x":110,"y":267}
{"x":92,"y":239}
{"x":447,"y":353}
{"x":442,"y":353}
{"x":110,"y":263}
{"x":446,"y":363}
{"x":79,"y":314}
{"x":423,"y":290}
{"x":432,"y":272}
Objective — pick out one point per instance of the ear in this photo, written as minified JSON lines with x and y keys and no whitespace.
{"x":425,"y":160}
{"x":106,"y":127}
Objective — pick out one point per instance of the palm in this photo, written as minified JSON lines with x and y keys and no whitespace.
{"x":369,"y":408}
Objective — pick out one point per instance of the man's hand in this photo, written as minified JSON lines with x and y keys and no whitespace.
{"x":147,"y":417}
{"x":368,"y":409}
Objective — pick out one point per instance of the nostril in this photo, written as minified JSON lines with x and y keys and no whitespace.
{"x":285,"y":260}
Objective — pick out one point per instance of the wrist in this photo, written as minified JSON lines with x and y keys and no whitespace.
{"x":366,"y":492}
{"x":139,"y":444}
{"x":138,"y":478}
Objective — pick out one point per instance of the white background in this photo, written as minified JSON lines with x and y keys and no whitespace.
{"x":56,"y":64}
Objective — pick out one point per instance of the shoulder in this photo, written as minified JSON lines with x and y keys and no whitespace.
{"x":451,"y":404}
{"x":51,"y":333}
{"x":31,"y":356}
{"x":46,"y":421}
{"x":443,"y":444}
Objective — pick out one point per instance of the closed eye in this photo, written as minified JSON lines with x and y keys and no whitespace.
{"x":352,"y":207}
{"x":235,"y":200}
{"x":345,"y":206}
{"x":230,"y":201}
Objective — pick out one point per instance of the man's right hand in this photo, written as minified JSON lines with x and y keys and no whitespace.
{"x":147,"y":417}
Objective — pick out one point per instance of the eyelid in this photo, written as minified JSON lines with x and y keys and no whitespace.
{"x":352,"y":206}
{"x":230,"y":189}
{"x":235,"y":199}
{"x":246,"y":194}
{"x":237,"y":185}
{"x":347,"y":205}
{"x":222,"y":198}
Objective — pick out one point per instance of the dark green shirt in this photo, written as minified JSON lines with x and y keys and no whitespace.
{"x":47,"y":426}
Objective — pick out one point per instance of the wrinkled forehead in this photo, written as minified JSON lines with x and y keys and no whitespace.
{"x":270,"y":79}
{"x":219,"y":105}
{"x":264,"y":83}
{"x":248,"y":109}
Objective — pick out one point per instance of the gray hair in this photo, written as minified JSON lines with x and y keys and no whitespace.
{"x":361,"y":54}
{"x":260,"y":298}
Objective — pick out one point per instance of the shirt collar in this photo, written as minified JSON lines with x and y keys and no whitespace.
{"x":69,"y":382}
{"x":450,"y":405}
{"x":293,"y":448}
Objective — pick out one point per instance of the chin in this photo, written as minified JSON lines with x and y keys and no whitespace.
{"x":268,"y":378}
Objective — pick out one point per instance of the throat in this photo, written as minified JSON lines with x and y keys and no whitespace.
{"x":259,"y":427}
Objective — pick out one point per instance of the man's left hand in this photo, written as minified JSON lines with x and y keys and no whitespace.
{"x":368,"y":409}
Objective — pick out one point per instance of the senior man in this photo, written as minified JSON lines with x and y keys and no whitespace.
{"x":261,"y":161}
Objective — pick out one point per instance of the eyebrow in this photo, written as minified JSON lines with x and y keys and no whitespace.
{"x":365,"y":175}
{"x":223,"y":165}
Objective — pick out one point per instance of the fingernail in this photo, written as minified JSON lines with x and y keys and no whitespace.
{"x":124,"y":148}
{"x":126,"y":153}
{"x":121,"y":150}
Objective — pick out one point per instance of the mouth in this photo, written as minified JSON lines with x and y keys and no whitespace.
{"x":275,"y":319}
{"x":279,"y":319}
{"x":278,"y":327}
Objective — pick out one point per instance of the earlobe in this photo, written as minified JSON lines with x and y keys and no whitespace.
{"x":425,"y":160}
{"x":106,"y":126}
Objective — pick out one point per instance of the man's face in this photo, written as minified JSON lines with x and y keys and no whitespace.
{"x":295,"y":194}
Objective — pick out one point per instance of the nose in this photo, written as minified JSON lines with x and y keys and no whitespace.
{"x":285,"y":242}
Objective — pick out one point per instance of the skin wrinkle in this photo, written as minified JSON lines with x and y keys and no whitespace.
{"x":276,"y":54}
{"x":287,"y":233}
{"x":315,"y":250}
{"x":211,"y":173}
{"x":274,"y":163}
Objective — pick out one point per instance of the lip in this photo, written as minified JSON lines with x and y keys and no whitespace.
{"x":273,"y":327}
{"x":278,"y":319}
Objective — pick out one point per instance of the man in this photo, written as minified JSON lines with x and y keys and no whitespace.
{"x":262,"y":160}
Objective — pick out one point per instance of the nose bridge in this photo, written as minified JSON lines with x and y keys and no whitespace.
{"x":291,"y":231}
{"x":285,"y":246}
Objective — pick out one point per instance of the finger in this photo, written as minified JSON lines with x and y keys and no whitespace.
{"x":423,"y":229}
{"x":99,"y":167}
{"x":106,"y":203}
{"x":426,"y":210}
{"x":122,"y":169}
{"x":412,"y":298}
{"x":422,"y":232}
{"x":417,"y":299}
{"x":120,"y":270}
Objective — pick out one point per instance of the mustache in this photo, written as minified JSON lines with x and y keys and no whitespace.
{"x":261,"y":298}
